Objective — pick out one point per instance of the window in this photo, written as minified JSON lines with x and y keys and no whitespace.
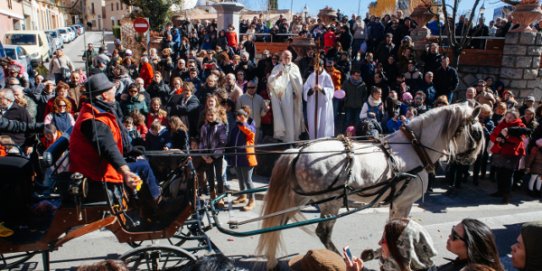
{"x":10,"y":4}
{"x":121,"y":6}
{"x":111,"y":6}
{"x":117,"y":6}
{"x":92,"y":8}
{"x":21,"y":39}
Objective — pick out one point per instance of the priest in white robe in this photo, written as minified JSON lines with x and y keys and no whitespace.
{"x":324,"y":125}
{"x":286,"y":87}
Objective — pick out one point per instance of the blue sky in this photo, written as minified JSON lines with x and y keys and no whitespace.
{"x":351,"y":6}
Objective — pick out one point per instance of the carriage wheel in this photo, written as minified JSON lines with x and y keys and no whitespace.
{"x":157,"y":258}
{"x":8,"y":261}
{"x":180,"y":237}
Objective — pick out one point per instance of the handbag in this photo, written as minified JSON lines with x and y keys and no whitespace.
{"x":66,"y":73}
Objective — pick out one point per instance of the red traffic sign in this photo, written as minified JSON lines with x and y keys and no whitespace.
{"x":141,"y":25}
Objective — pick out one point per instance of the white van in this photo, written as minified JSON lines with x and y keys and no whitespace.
{"x":34,"y":42}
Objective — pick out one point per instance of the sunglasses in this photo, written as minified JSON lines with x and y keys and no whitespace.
{"x":62,"y":105}
{"x":454,"y":235}
{"x":251,"y":87}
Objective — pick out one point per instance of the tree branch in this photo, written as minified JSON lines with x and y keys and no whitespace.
{"x":466,"y":37}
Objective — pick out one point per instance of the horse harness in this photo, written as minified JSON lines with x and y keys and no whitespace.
{"x":419,"y":149}
{"x":346,"y":173}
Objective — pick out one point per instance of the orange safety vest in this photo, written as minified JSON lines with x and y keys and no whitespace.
{"x":84,"y":157}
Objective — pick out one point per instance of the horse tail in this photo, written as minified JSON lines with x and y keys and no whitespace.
{"x":280,"y":196}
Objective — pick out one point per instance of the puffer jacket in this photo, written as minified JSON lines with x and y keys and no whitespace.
{"x":130,"y":104}
{"x":213,"y":137}
{"x":512,"y":146}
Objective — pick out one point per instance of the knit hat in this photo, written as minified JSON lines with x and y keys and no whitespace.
{"x":532,"y":238}
{"x":407,"y":97}
{"x":318,"y":260}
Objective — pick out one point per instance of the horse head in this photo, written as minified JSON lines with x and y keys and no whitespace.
{"x":467,"y":140}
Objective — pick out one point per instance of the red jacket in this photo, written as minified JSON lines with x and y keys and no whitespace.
{"x":512,"y":146}
{"x":146,"y":73}
{"x":84,"y":157}
{"x":232,"y":39}
{"x":329,"y":40}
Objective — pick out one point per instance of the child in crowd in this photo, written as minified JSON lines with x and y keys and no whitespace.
{"x":178,"y":134}
{"x":157,"y":137}
{"x":156,"y":112}
{"x":139,"y":122}
{"x":213,"y":138}
{"x":130,"y":128}
{"x":50,"y":135}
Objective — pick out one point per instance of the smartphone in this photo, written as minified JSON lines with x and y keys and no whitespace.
{"x":348,"y":252}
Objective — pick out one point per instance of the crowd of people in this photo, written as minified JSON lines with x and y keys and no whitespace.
{"x":204,"y":89}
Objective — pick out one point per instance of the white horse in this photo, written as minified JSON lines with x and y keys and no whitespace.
{"x":452,"y":130}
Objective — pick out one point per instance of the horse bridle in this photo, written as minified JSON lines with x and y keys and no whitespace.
{"x":421,"y":150}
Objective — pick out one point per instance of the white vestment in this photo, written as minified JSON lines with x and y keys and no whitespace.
{"x":285,"y":92}
{"x":326,"y":123}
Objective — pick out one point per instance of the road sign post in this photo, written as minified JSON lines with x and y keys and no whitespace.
{"x":141,"y":25}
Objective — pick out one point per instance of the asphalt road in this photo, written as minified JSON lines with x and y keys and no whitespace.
{"x":438,"y":213}
{"x":74,"y":50}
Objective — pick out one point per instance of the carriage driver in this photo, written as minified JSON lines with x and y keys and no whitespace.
{"x":99,"y":141}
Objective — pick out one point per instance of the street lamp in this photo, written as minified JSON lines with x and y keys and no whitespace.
{"x":305,"y":11}
{"x":482,"y":10}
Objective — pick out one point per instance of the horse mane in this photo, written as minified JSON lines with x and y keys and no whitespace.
{"x":451,"y":118}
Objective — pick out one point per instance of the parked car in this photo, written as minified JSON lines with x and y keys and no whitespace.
{"x":19,"y":54}
{"x":52,"y":46}
{"x":64,"y":34}
{"x":80,"y":29}
{"x":73,"y":36}
{"x":75,"y":30}
{"x":59,"y":40}
{"x":34,"y":42}
{"x":2,"y":52}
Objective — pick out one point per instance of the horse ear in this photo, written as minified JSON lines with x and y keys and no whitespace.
{"x":476,"y":113}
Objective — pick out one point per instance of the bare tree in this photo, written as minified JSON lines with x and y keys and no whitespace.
{"x":457,"y":44}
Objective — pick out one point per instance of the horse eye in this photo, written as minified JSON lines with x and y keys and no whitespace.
{"x":476,"y":134}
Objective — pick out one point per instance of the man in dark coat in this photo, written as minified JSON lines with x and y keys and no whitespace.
{"x":12,"y":111}
{"x":446,"y":79}
{"x":386,"y":49}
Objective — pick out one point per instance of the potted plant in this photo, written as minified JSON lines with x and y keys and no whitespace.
{"x":525,"y":13}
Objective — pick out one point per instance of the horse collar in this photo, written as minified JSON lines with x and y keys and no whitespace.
{"x":420,"y":150}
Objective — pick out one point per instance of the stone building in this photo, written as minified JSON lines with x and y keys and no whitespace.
{"x":30,"y":15}
{"x":115,"y":10}
{"x":11,"y":16}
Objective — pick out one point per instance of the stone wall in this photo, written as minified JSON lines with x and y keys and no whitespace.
{"x":520,"y":70}
{"x":469,"y":75}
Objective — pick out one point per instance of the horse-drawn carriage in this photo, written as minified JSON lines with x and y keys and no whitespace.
{"x":327,"y":173}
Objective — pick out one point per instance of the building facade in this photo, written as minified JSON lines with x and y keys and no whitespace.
{"x":11,"y":16}
{"x":115,"y":10}
{"x":94,"y":13}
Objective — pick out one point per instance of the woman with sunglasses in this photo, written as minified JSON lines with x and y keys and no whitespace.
{"x":406,"y":245}
{"x":473,"y":243}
